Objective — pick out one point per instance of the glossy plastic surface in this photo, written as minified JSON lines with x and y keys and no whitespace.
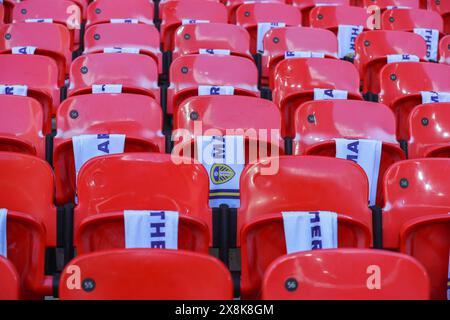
{"x":343,"y":274}
{"x":9,"y":278}
{"x":124,"y":35}
{"x":429,"y":131}
{"x":149,"y":274}
{"x":401,"y":84}
{"x":248,"y":15}
{"x":258,"y":120}
{"x":173,"y":12}
{"x":330,"y":17}
{"x":279,"y":40}
{"x":21,"y":126}
{"x":102,"y":11}
{"x":408,"y":19}
{"x":189,"y":72}
{"x":444,"y":50}
{"x":50,"y":39}
{"x":138,"y":117}
{"x":106,"y":231}
{"x":347,"y":119}
{"x":373,"y":47}
{"x":40,"y":74}
{"x":443,"y":8}
{"x":306,"y":6}
{"x":137,"y":73}
{"x":383,"y":4}
{"x":296,"y":79}
{"x":190,"y":38}
{"x":143,"y":181}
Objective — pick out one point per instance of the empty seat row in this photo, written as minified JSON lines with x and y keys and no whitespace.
{"x":108,"y":187}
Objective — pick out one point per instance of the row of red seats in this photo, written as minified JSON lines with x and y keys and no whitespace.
{"x":248,"y":15}
{"x":415,"y":207}
{"x":317,"y":123}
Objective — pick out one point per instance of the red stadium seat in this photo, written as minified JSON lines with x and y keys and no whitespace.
{"x":408,"y":19}
{"x":429,"y":129}
{"x":174,"y":12}
{"x":136,"y":73}
{"x":189,"y":39}
{"x":306,"y":6}
{"x":2,"y":14}
{"x":144,"y":37}
{"x":39,"y":74}
{"x":31,"y":220}
{"x":55,"y":44}
{"x":296,"y":79}
{"x":249,"y":15}
{"x":189,"y":72}
{"x":9,"y":278}
{"x":279,"y":40}
{"x":416,"y":215}
{"x":64,"y":12}
{"x":106,"y":231}
{"x":137,"y":116}
{"x":21,"y":126}
{"x":443,"y":8}
{"x":401,"y":84}
{"x":233,"y":5}
{"x":256,"y":119}
{"x":102,"y":11}
{"x":444,"y":50}
{"x":347,"y":276}
{"x":301,"y":183}
{"x":373,"y":47}
{"x":143,"y":181}
{"x":386,"y":4}
{"x":318,"y":123}
{"x":330,"y":17}
{"x":146,"y":275}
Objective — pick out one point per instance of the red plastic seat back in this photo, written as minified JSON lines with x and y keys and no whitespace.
{"x":102,"y":11}
{"x":263,"y":241}
{"x":173,"y":13}
{"x":40,"y":74}
{"x":444,"y":50}
{"x":21,"y":126}
{"x":233,"y":5}
{"x":25,"y":238}
{"x":9,"y":278}
{"x":189,"y":72}
{"x":143,"y":181}
{"x":429,"y":127}
{"x":373,"y":47}
{"x":427,"y":241}
{"x":258,"y":120}
{"x":55,"y":44}
{"x":138,"y":117}
{"x":248,"y":15}
{"x":124,"y":35}
{"x":384,"y":4}
{"x":408,"y":19}
{"x":279,"y":40}
{"x":66,"y":13}
{"x":330,"y":17}
{"x":175,"y":275}
{"x":107,"y":231}
{"x":296,"y":79}
{"x":303,"y":184}
{"x":22,"y":177}
{"x":443,"y":8}
{"x":136,"y":73}
{"x":306,"y":6}
{"x":347,"y":277}
{"x":413,"y":189}
{"x":318,"y":123}
{"x":401,"y":84}
{"x":190,"y":38}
